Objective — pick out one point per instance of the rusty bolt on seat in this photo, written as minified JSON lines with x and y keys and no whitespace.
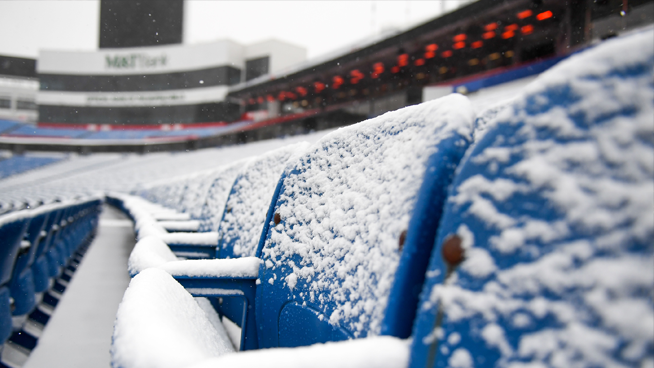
{"x":452,"y":250}
{"x":402,"y":240}
{"x":277,"y":218}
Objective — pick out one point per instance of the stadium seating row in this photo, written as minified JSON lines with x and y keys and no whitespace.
{"x":40,"y":250}
{"x":535,"y":250}
{"x":20,"y":163}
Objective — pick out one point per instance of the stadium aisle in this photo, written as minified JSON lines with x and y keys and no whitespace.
{"x":79,"y":332}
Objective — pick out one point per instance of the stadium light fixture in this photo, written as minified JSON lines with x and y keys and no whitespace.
{"x":527,"y":29}
{"x":318,"y":86}
{"x":544,"y":15}
{"x":403,"y":60}
{"x":338,"y":81}
{"x":488,"y":35}
{"x":490,"y":27}
{"x":525,"y":14}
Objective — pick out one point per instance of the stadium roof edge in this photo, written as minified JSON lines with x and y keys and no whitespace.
{"x":442,"y":21}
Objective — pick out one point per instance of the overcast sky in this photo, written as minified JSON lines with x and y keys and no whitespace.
{"x":27,"y":26}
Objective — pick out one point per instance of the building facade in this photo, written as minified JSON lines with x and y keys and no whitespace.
{"x":18,"y":89}
{"x":153,"y":85}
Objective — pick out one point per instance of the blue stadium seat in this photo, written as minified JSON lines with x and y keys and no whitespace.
{"x":373,"y":194}
{"x":22,"y":280}
{"x":40,"y":269}
{"x":12,"y":229}
{"x":544,"y":255}
{"x":6,"y":125}
{"x":21,"y":163}
{"x":35,"y":131}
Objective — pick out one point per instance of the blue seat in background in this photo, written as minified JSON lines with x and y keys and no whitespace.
{"x":22,"y":279}
{"x":545,"y":253}
{"x":40,"y":268}
{"x":12,"y":229}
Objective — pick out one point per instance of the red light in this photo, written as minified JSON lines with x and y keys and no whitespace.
{"x":477,"y":44}
{"x":511,"y":27}
{"x":337,"y":82}
{"x":291,"y":95}
{"x":527,"y":29}
{"x":270,"y":98}
{"x":490,"y":27}
{"x":318,"y":86}
{"x":302,"y":91}
{"x":395,"y":69}
{"x":431,"y":48}
{"x":377,"y":69}
{"x":281,"y":96}
{"x":525,"y":14}
{"x":508,"y":34}
{"x":251,"y":101}
{"x":446,"y":54}
{"x":403,"y":60}
{"x":459,"y":37}
{"x":545,"y":15}
{"x":260,"y":99}
{"x":459,"y":45}
{"x":488,"y":35}
{"x":356,"y":76}
{"x":429,"y":54}
{"x":420,"y":62}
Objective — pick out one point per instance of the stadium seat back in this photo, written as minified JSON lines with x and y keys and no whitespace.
{"x":216,"y":196}
{"x":249,"y":200}
{"x":544,"y":254}
{"x":12,"y":229}
{"x":351,"y":226}
{"x":5,"y":315}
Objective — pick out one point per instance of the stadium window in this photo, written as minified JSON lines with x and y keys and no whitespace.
{"x":26,"y":105}
{"x":5,"y":103}
{"x":256,"y":67}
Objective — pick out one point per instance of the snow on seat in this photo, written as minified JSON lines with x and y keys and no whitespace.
{"x":378,"y":352}
{"x":351,"y":229}
{"x":552,"y":220}
{"x":159,"y":324}
{"x":249,"y":200}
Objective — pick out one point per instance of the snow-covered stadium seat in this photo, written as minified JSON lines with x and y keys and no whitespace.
{"x":354,"y":219}
{"x":249,"y":199}
{"x":242,"y":220}
{"x":545,"y":253}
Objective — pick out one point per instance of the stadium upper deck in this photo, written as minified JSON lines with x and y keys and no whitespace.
{"x":482,"y":44}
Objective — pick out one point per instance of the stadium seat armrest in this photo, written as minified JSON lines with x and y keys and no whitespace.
{"x":237,"y":268}
{"x":241,"y":288}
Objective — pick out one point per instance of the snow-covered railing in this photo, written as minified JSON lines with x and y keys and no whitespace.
{"x":542,"y":255}
{"x":40,"y":251}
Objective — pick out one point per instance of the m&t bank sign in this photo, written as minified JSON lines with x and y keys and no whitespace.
{"x":135,"y":61}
